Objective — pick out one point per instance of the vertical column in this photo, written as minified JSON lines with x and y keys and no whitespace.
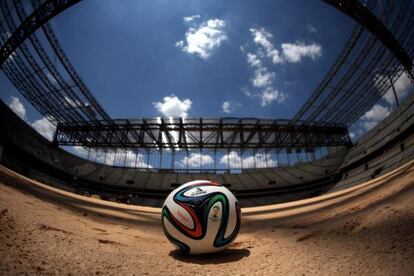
{"x":311,"y":155}
{"x":288,"y":152}
{"x":299,"y":156}
{"x":228,"y":159}
{"x":241,"y":159}
{"x":136,"y":158}
{"x":201,"y":159}
{"x":173,"y":159}
{"x":160,"y":154}
{"x":215,"y":160}
{"x":125,"y":158}
{"x":186,"y":160}
{"x":148,"y":152}
{"x":393,"y":90}
{"x":277,"y":158}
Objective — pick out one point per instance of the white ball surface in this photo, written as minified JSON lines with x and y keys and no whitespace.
{"x":201,"y":217}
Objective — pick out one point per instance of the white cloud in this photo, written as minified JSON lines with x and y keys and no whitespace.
{"x":369,"y":125}
{"x":17,"y":107}
{"x":180,"y":44}
{"x":190,"y":18}
{"x":263,"y":78}
{"x":45,"y":128}
{"x":132,"y":159}
{"x":204,"y":39}
{"x":311,"y":28}
{"x":141,"y":163}
{"x":80,"y":151}
{"x":270,"y":95}
{"x":196,"y":160}
{"x":229,"y":107}
{"x":247,"y":92}
{"x":262,"y":38}
{"x":402,"y":85}
{"x":234,"y":160}
{"x":226,"y":107}
{"x":253,"y":60}
{"x":107,"y":158}
{"x":294,"y":52}
{"x":375,"y":115}
{"x":260,"y":160}
{"x":172,"y":106}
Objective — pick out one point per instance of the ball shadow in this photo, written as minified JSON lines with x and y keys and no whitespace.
{"x":226,"y":256}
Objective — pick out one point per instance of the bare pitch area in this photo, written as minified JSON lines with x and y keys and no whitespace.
{"x":368,"y":229}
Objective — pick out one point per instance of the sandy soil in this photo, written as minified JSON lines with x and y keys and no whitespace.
{"x":368,"y":229}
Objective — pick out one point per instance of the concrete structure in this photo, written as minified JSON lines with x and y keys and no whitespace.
{"x":29,"y":153}
{"x":384,"y":148}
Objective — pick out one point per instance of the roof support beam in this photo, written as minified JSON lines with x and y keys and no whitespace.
{"x":228,"y":133}
{"x":361,"y":14}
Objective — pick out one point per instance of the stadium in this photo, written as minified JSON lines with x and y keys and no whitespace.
{"x":327,"y":190}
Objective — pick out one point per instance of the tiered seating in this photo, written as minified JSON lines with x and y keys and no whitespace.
{"x":386,"y":147}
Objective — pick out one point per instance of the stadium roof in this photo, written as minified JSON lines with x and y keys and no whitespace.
{"x":377,"y":53}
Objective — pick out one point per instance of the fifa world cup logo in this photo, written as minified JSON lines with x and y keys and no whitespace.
{"x":216,"y":209}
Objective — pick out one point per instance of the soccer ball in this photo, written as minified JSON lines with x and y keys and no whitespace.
{"x":201,"y":217}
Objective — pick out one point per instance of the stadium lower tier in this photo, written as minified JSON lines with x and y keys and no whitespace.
{"x":389,"y":145}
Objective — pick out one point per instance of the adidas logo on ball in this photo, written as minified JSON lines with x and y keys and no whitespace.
{"x":198,"y":191}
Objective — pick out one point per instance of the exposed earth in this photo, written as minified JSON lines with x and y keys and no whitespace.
{"x":366,"y":229}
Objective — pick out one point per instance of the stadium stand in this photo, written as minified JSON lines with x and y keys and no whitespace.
{"x":29,"y":153}
{"x":378,"y":52}
{"x":384,"y":148}
{"x":387,"y":146}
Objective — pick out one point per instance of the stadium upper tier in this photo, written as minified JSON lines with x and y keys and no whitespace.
{"x":379,"y":50}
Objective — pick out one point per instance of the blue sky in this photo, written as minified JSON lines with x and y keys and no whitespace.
{"x":127,"y":54}
{"x":199,"y":58}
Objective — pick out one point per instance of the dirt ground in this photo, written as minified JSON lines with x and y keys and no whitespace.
{"x":367,"y":229}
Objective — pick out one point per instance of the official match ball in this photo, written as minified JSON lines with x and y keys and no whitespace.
{"x":201,"y":217}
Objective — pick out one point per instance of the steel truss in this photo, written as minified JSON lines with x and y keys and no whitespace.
{"x":368,"y":64}
{"x":32,"y":75}
{"x":191,"y":133}
{"x":363,"y":73}
{"x":361,"y":14}
{"x":41,"y":15}
{"x":31,"y":69}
